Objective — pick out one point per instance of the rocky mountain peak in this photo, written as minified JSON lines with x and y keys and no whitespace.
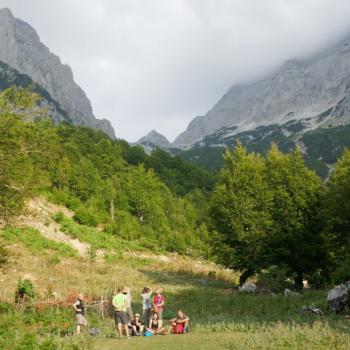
{"x":153,"y":138}
{"x":299,"y":89}
{"x":21,"y":48}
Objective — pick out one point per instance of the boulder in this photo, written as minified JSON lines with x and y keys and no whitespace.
{"x":312,"y":309}
{"x":338,"y":298}
{"x":248,"y":287}
{"x":290,"y":293}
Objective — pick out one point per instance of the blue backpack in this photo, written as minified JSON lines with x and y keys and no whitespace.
{"x":147,"y":334}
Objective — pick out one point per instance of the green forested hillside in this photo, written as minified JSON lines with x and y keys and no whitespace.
{"x":265,"y":211}
{"x":264,"y":217}
{"x":321,"y":147}
{"x":107,"y":183}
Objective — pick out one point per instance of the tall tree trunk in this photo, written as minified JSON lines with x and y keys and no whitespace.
{"x":298,"y":283}
{"x":112,"y":209}
{"x":245,"y":275}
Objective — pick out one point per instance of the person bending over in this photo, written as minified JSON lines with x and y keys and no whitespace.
{"x":180,"y":324}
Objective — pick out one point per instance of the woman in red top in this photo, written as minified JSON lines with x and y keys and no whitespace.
{"x":158,"y":304}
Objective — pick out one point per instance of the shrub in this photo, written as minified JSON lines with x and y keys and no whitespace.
{"x":342,"y":273}
{"x":24,"y":291}
{"x":274,"y":279}
{"x":58,"y":217}
{"x":85,"y":217}
{"x":54,"y":260}
{"x":4,"y":254}
{"x":64,"y":198}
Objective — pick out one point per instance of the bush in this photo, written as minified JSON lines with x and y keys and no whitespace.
{"x":25,"y":290}
{"x":274,"y":279}
{"x":4,"y":254}
{"x":320,"y":280}
{"x":342,"y":273}
{"x":58,"y":217}
{"x":64,"y":198}
{"x":85,"y":217}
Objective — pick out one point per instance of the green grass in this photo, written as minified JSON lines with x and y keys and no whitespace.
{"x":219,"y":321}
{"x":221,"y":317}
{"x":317,"y":336}
{"x":35,"y":241}
{"x":98,"y":239}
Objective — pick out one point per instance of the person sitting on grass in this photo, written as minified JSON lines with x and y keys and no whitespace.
{"x":155,"y":326}
{"x":137,"y":326}
{"x":79,"y":308}
{"x":119,"y":303}
{"x":179,"y":324}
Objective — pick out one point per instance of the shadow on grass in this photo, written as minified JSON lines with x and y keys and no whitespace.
{"x":209,"y":305}
{"x":187,"y":278}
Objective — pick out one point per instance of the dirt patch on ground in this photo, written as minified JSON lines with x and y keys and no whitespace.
{"x":38,"y":216}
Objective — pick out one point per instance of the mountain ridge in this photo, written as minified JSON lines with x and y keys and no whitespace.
{"x":152,"y":141}
{"x":300,"y":89}
{"x":22,"y":50}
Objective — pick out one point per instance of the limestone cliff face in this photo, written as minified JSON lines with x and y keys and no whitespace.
{"x":21,"y":48}
{"x":298,"y":90}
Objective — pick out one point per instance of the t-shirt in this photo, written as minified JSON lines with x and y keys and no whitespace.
{"x":146,"y":301}
{"x":158,"y":299}
{"x":79,"y":304}
{"x":119,"y":301}
{"x":140,"y":323}
{"x":154,"y":324}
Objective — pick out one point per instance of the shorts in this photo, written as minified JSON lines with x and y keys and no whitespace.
{"x":81,"y":320}
{"x":160,"y":314}
{"x":121,"y":317}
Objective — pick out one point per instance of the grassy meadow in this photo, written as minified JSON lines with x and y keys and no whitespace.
{"x":221,"y":317}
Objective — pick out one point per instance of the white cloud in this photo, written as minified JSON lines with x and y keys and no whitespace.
{"x":156,"y":64}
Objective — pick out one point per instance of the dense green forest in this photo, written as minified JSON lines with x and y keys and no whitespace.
{"x":322,"y":146}
{"x":154,"y":199}
{"x":263,"y":214}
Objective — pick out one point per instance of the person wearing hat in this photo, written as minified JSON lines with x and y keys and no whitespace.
{"x":119,"y":303}
{"x":137,"y":326}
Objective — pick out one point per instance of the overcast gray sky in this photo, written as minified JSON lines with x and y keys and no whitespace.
{"x":156,"y":64}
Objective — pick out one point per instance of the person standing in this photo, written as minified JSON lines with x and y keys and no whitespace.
{"x":128,"y":305}
{"x":146,"y":296}
{"x":158,"y":305}
{"x":79,"y":308}
{"x":119,"y":303}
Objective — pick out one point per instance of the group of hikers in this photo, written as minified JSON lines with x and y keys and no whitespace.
{"x":129,"y":324}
